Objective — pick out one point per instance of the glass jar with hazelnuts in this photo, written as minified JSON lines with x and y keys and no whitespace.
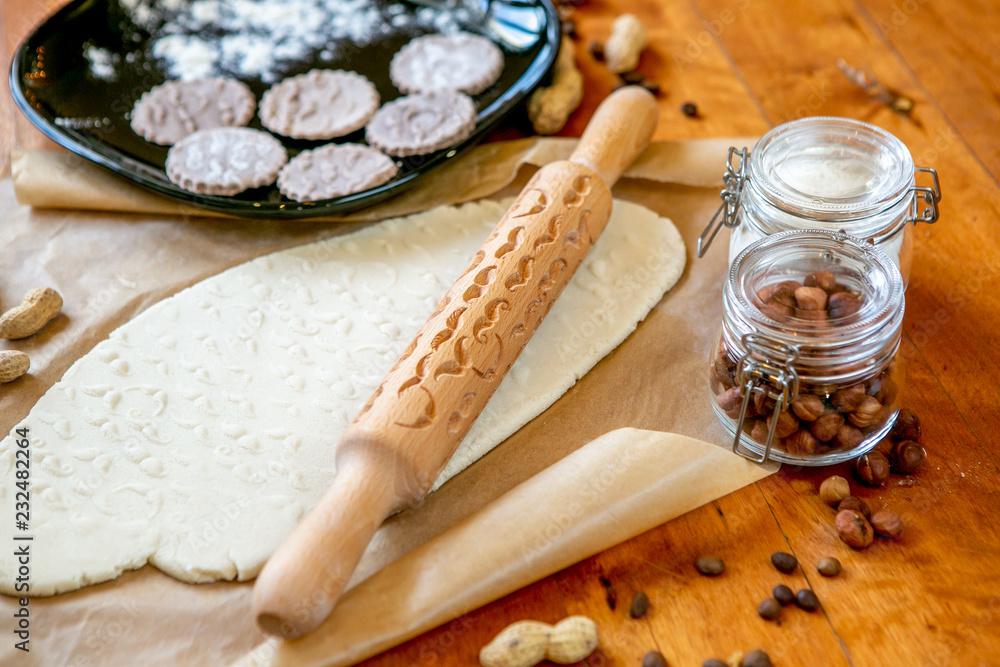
{"x":805,"y":369}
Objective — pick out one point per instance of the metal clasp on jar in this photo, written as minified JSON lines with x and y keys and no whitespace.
{"x":929,"y":195}
{"x":767,"y":368}
{"x":733,"y":179}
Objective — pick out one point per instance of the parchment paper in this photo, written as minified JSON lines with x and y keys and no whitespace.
{"x":617,"y":486}
{"x":108,"y":267}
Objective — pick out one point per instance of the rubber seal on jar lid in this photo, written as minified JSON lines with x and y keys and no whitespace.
{"x":831,"y":168}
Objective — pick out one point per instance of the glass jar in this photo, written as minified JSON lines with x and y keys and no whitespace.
{"x":833,"y":174}
{"x":805,"y":369}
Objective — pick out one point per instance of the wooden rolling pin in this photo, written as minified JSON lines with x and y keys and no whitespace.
{"x":389,"y":457}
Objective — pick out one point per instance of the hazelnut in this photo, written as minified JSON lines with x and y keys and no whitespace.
{"x":872,"y":469}
{"x":812,"y":315}
{"x":868,"y":412}
{"x":801,"y":442}
{"x":808,"y":407}
{"x":847,"y":400}
{"x":887,"y":524}
{"x":907,"y":426}
{"x":810,"y":298}
{"x":822,"y":279}
{"x":853,"y":529}
{"x":759,"y":432}
{"x":826,"y":427}
{"x":843,"y":304}
{"x":730,"y":402}
{"x":887,"y":390}
{"x":722,"y":378}
{"x":834,"y":489}
{"x":776,"y":311}
{"x":854,"y":504}
{"x":762,"y":403}
{"x":848,"y":437}
{"x":906,"y":457}
{"x":883,"y":447}
{"x":782,"y":293}
{"x":787,"y":424}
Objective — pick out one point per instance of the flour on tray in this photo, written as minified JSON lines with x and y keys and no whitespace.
{"x":260,"y":38}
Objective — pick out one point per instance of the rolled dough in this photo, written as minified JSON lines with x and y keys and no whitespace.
{"x":200,"y":432}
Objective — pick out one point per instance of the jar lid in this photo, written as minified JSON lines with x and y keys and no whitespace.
{"x":828,"y":168}
{"x":836,"y":346}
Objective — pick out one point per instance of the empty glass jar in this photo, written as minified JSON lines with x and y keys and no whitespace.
{"x":806,"y":367}
{"x":832,"y":174}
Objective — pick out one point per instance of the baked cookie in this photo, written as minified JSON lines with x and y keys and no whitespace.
{"x":171,"y":111}
{"x":463,"y":62}
{"x":334,"y":170}
{"x":421,"y":124}
{"x":320,"y":104}
{"x":225,"y":161}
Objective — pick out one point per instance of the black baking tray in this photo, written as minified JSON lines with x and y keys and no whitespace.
{"x":52,"y":85}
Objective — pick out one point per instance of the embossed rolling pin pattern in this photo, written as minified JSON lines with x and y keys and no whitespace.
{"x":406,"y":432}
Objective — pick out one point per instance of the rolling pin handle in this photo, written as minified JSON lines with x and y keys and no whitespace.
{"x":619,"y":131}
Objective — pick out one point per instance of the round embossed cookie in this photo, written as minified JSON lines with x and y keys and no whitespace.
{"x":463,"y":62}
{"x":173,"y":110}
{"x":225,"y":161}
{"x":334,"y":170}
{"x":421,"y":124}
{"x":320,"y":104}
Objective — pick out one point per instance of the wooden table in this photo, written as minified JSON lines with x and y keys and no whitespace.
{"x":933,"y":597}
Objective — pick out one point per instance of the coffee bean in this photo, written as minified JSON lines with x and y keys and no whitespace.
{"x":633,"y":77}
{"x":828,"y":567}
{"x":769,"y":609}
{"x":783,"y":594}
{"x":652,"y":87}
{"x":689,"y":109}
{"x":756,"y":658}
{"x":714,"y":662}
{"x":710,"y":566}
{"x":654,"y":659}
{"x":784,"y":562}
{"x":640,"y":605}
{"x":807,"y":600}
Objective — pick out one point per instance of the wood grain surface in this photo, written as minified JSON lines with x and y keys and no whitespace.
{"x":931,"y":598}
